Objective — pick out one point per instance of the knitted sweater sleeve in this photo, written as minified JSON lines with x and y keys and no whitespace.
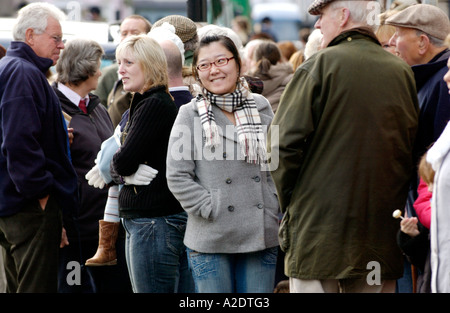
{"x":146,"y":138}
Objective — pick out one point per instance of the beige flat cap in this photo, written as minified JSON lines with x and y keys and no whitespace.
{"x":424,"y":17}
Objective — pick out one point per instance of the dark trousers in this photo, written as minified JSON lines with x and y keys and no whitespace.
{"x":31,"y":240}
{"x":79,"y":278}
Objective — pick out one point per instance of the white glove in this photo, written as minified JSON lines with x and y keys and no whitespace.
{"x":94,"y":178}
{"x":143,"y":176}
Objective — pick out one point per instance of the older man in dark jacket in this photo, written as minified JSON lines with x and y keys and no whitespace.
{"x":347,"y":123}
{"x":37,"y":179}
{"x":421,"y":30}
{"x":419,"y":40}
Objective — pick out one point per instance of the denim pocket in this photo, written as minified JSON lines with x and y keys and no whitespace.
{"x":201,"y":264}
{"x":178,"y":221}
{"x":174,"y":232}
{"x":270,"y":255}
{"x":143,"y":228}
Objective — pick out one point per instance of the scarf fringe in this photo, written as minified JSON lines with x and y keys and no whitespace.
{"x":253,"y":151}
{"x":211,"y":135}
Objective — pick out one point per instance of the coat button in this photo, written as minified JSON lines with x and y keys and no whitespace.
{"x":257,"y":179}
{"x":224,"y":155}
{"x":228,"y":181}
{"x":260,"y":205}
{"x":231,"y":208}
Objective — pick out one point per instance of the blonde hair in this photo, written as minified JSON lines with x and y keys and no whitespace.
{"x":385,"y":30}
{"x":150,"y":56}
{"x":297,"y":59}
{"x":426,"y":171}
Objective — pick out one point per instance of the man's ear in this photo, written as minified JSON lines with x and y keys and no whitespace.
{"x":424,"y":44}
{"x":30,"y":36}
{"x":344,"y":16}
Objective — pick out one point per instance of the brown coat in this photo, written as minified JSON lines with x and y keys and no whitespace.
{"x":347,"y":122}
{"x":280,"y":75}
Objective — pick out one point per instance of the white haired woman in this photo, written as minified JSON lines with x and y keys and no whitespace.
{"x":78,"y":71}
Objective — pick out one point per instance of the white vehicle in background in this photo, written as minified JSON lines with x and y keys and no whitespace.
{"x":285,"y":17}
{"x":97,"y":31}
{"x":6,"y":25}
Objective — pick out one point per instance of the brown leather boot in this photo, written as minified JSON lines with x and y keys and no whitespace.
{"x":106,"y":251}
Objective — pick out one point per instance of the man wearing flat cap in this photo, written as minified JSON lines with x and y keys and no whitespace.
{"x":186,"y":29}
{"x":419,"y":38}
{"x":346,"y":129}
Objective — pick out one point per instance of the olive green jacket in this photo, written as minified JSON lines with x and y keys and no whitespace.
{"x":347,"y":122}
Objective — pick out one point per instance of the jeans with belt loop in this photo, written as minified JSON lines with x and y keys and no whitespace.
{"x":252,"y":272}
{"x":156,"y":255}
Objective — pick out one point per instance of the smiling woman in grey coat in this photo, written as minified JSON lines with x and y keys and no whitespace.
{"x":214,"y":168}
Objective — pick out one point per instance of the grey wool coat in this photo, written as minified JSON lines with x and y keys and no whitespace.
{"x":232,"y":205}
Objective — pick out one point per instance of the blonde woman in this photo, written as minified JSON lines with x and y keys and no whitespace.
{"x":153,"y":219}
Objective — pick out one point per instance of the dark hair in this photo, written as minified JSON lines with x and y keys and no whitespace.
{"x":224,"y":41}
{"x":266,"y":54}
{"x":2,"y":51}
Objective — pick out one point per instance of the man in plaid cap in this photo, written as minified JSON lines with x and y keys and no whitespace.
{"x":347,"y":124}
{"x":186,"y":29}
{"x":421,"y":30}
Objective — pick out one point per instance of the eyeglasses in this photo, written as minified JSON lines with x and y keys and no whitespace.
{"x":57,"y":39}
{"x":218,"y":63}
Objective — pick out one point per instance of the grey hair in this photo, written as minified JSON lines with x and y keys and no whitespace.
{"x":359,"y":11}
{"x":433,"y":40}
{"x":79,"y":60}
{"x":35,"y":16}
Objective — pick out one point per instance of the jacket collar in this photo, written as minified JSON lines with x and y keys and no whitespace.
{"x":137,"y":97}
{"x":423,"y":72}
{"x":71,"y":108}
{"x":355,"y":33}
{"x":22,"y":50}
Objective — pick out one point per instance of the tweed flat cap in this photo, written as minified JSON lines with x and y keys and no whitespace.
{"x":316,"y":7}
{"x":424,"y":17}
{"x":185,"y":28}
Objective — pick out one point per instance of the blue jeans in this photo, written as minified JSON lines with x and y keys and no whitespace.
{"x":234,"y":273}
{"x":155,"y":254}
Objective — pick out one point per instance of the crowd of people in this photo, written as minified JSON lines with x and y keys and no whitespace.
{"x":214,"y":159}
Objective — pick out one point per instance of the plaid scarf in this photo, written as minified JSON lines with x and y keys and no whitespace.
{"x":248,"y":122}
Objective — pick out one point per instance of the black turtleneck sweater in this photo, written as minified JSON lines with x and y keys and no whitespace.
{"x":145,"y":140}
